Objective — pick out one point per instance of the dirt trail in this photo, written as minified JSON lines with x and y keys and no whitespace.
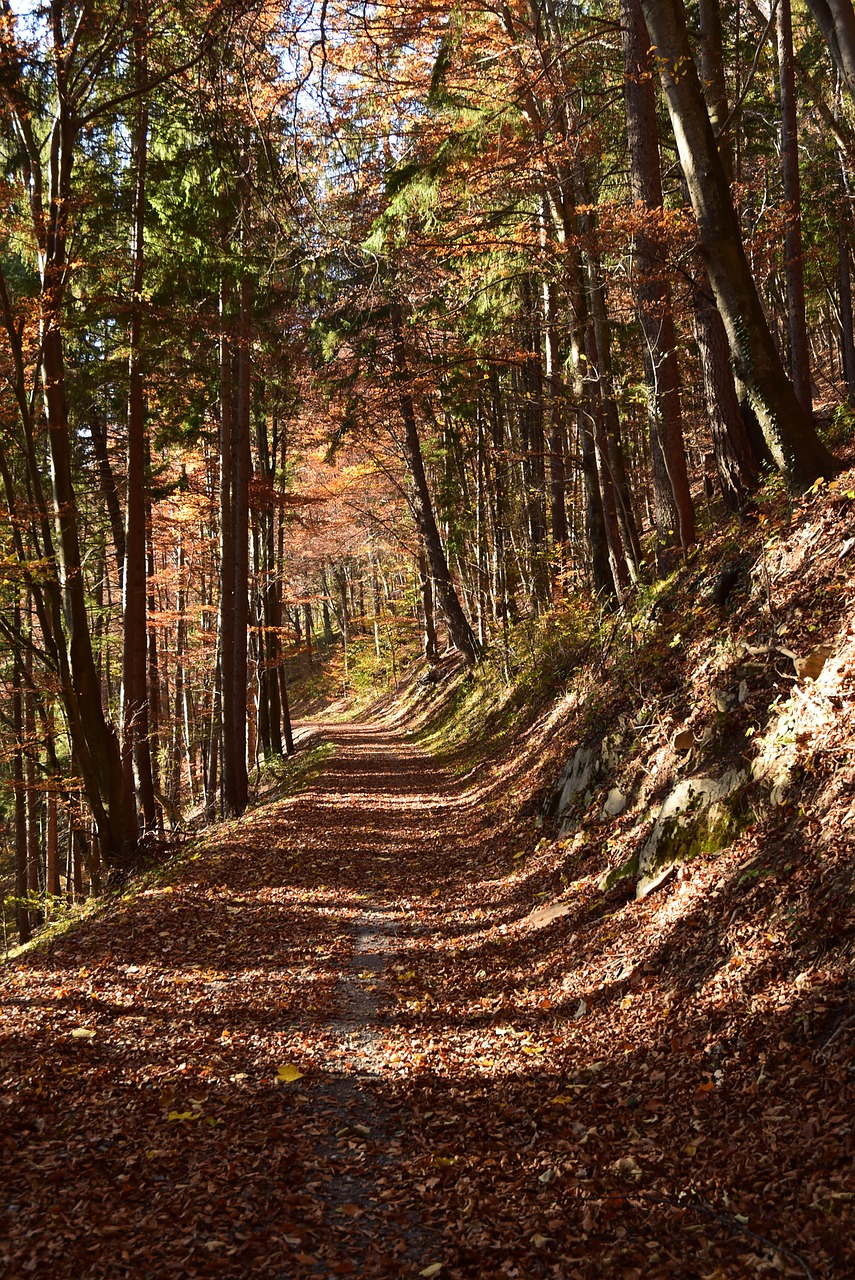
{"x":145,"y":1126}
{"x":332,"y":1042}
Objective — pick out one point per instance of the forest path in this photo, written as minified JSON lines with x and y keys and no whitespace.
{"x":333,"y":1039}
{"x":151,"y":1098}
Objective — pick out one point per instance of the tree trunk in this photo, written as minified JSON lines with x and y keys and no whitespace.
{"x":737,"y":441}
{"x":22,"y":915}
{"x":429,"y":648}
{"x":155,"y":714}
{"x":53,"y":885}
{"x":734,"y":458}
{"x":136,"y":756}
{"x":240,"y":515}
{"x":617,"y":554}
{"x":459,"y":629}
{"x":531,"y":432}
{"x":792,"y":440}
{"x":675,"y":520}
{"x":793,"y":260}
{"x":836,"y":21}
{"x":847,"y":333}
{"x":234,"y":521}
{"x":107,"y":480}
{"x":604,"y":584}
{"x":32,"y":792}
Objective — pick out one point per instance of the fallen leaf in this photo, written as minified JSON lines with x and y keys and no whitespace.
{"x":289,"y":1073}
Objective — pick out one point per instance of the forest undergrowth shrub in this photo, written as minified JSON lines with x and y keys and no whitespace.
{"x":287,"y":775}
{"x":840,"y":432}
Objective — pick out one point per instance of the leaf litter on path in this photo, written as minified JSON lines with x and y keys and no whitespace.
{"x":355,"y":1056}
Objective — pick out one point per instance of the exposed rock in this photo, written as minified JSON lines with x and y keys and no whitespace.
{"x":542,"y":916}
{"x":810,"y":667}
{"x":616,"y":874}
{"x":615,"y":803}
{"x":776,"y":771}
{"x":700,"y":815}
{"x":576,"y":777}
{"x":612,"y":751}
{"x":647,"y":884}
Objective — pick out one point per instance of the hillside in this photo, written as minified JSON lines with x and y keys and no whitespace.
{"x":408,"y":1016}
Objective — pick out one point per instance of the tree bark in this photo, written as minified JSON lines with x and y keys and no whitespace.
{"x":461,"y":633}
{"x":847,"y":330}
{"x":793,"y":443}
{"x":734,"y":458}
{"x":836,"y":21}
{"x":136,"y":753}
{"x":429,"y":648}
{"x":675,"y":521}
{"x":237,"y":794}
{"x":22,"y":914}
{"x":793,"y":259}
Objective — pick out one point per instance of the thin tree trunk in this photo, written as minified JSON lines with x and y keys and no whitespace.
{"x":53,"y":883}
{"x":458,"y":626}
{"x":237,"y":794}
{"x":606,"y":382}
{"x":153,"y":668}
{"x":847,"y":334}
{"x":555,"y":400}
{"x":33,"y":804}
{"x":617,"y":553}
{"x":793,"y":259}
{"x":107,"y":480}
{"x":22,"y":915}
{"x":429,"y":646}
{"x":675,"y":520}
{"x":177,"y":717}
{"x":136,"y":754}
{"x":604,"y":584}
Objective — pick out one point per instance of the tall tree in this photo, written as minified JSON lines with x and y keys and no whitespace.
{"x":675,"y":520}
{"x":791,"y":438}
{"x":459,"y":628}
{"x":136,"y":747}
{"x":793,"y":252}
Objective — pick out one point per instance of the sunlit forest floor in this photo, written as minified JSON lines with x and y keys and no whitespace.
{"x":341,"y":1036}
